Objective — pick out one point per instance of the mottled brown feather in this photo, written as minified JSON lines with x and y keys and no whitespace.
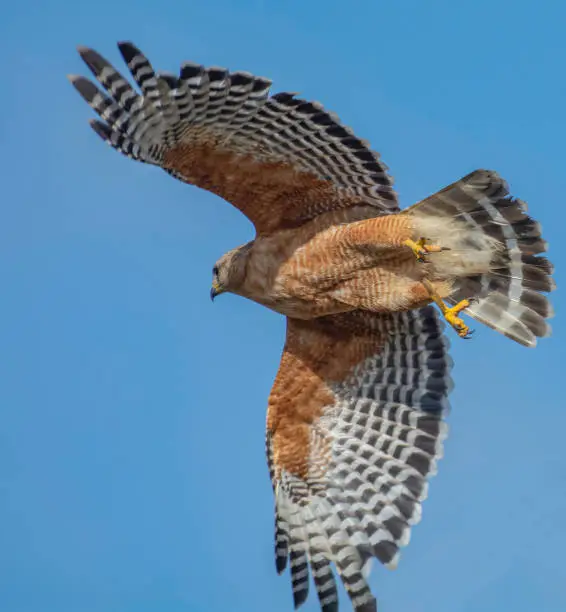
{"x":274,"y":196}
{"x":317,"y":354}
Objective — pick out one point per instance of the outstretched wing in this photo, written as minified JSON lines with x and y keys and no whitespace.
{"x":280,"y":160}
{"x":354,"y":429}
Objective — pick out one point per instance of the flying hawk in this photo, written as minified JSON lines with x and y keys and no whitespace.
{"x":355,"y":417}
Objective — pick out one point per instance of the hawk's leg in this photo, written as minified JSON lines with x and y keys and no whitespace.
{"x":451,"y":313}
{"x":420,"y":248}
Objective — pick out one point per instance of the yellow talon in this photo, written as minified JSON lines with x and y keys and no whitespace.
{"x":451,"y":316}
{"x":420,"y":248}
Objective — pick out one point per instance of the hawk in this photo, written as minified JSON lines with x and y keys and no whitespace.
{"x":355,"y":416}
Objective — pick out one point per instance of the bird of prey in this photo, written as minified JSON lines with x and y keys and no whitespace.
{"x":355,"y":416}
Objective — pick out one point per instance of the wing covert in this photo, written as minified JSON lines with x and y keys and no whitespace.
{"x":279,"y":159}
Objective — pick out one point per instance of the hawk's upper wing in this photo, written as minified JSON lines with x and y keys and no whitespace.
{"x":354,"y":428}
{"x":279,"y":159}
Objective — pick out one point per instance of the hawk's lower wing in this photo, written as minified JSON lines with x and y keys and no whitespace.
{"x":280,"y":160}
{"x":354,"y":429}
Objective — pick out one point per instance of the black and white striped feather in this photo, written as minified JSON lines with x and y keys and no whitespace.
{"x":386,"y":431}
{"x":509,"y":296}
{"x":232,"y":111}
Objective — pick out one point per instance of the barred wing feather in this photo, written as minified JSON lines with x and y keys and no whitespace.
{"x":354,"y":430}
{"x":281,"y":160}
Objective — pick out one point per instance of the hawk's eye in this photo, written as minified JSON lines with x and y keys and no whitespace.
{"x":215,"y":271}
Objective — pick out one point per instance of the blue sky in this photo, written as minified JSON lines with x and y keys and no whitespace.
{"x":132,"y":472}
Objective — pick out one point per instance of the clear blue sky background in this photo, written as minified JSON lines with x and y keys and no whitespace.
{"x":132,"y":472}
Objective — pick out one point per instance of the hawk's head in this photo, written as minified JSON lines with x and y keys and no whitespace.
{"x":229,"y":271}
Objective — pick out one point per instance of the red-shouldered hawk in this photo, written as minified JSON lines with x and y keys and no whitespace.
{"x":354,"y":421}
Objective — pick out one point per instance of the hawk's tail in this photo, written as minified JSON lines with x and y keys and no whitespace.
{"x":495,"y":255}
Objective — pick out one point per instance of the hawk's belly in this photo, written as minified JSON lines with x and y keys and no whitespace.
{"x":316,"y":271}
{"x":381,"y":288}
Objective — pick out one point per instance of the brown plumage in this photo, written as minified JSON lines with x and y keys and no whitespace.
{"x":354,"y":422}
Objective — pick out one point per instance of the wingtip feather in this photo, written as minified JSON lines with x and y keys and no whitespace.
{"x":128,"y":50}
{"x":101,"y":129}
{"x":90,"y":56}
{"x":280,"y":564}
{"x":86,"y":88}
{"x":369,"y":606}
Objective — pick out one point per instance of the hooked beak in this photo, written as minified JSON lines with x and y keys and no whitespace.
{"x":215,"y":290}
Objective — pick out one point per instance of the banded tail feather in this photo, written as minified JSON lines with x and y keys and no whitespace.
{"x":508,"y":287}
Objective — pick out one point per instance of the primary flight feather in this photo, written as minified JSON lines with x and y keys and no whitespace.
{"x":355,"y":416}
